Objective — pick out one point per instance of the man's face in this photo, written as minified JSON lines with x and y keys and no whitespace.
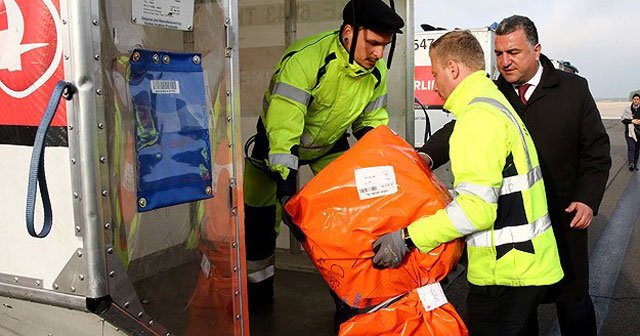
{"x":370,"y":46}
{"x":517,"y":60}
{"x":636,"y":101}
{"x":444,"y":82}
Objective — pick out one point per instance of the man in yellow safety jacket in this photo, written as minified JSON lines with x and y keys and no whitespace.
{"x":317,"y":92}
{"x":499,"y":204}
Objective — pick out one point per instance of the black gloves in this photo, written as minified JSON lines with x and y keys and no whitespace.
{"x":390,"y":250}
{"x":285,"y":189}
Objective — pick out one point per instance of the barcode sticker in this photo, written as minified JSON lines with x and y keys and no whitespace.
{"x":375,"y":182}
{"x":432,"y":296}
{"x":165,"y":86}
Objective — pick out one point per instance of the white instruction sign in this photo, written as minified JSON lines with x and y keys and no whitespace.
{"x":375,"y":182}
{"x":432,"y":296}
{"x":171,"y":14}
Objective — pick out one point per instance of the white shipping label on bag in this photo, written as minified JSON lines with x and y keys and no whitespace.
{"x":205,"y":265}
{"x":165,"y":87}
{"x":432,"y":296}
{"x":375,"y":182}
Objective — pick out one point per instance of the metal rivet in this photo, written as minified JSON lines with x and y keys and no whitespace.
{"x":110,"y":250}
{"x":70,"y":127}
{"x":166,"y":59}
{"x":94,"y":22}
{"x":101,"y":125}
{"x":234,"y":211}
{"x":229,"y":118}
{"x":79,"y":254}
{"x":227,"y":52}
{"x":140,"y":314}
{"x":75,"y":195}
{"x":103,"y":159}
{"x":189,"y":28}
{"x":142,"y":202}
{"x":228,"y":92}
{"x":136,"y":56}
{"x":238,"y":317}
{"x":155,"y":58}
{"x":55,"y":286}
{"x":227,"y":20}
{"x":64,"y":21}
{"x":196,"y":59}
{"x":236,"y":293}
{"x":230,"y":145}
{"x":151,"y":322}
{"x":81,"y":277}
{"x":126,"y":304}
{"x":73,"y":289}
{"x":99,"y":92}
{"x":232,"y":182}
{"x":234,"y":245}
{"x":107,"y":225}
{"x":66,"y":57}
{"x":49,"y":334}
{"x":105,"y":193}
{"x":96,"y":57}
{"x":112,"y":274}
{"x":168,"y":334}
{"x":73,"y":161}
{"x":134,"y":19}
{"x":16,"y":279}
{"x":208,"y":190}
{"x":235,"y":268}
{"x":38,"y":283}
{"x":77,"y":229}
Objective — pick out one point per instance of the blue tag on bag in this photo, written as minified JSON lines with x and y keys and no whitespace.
{"x":171,"y":128}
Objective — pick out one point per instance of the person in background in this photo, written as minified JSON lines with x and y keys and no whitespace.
{"x":561,"y":115}
{"x":631,"y":119}
{"x":499,"y":203}
{"x":321,"y":86}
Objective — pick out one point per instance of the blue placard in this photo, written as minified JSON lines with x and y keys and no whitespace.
{"x":171,"y":128}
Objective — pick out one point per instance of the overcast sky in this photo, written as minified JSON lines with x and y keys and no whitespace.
{"x":601,"y":38}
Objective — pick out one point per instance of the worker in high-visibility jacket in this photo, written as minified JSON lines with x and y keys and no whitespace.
{"x":322,"y":86}
{"x":499,"y":203}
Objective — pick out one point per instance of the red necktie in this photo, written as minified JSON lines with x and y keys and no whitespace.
{"x":522,"y":89}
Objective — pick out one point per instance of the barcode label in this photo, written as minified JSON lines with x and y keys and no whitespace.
{"x":165,"y":86}
{"x":432,"y":296}
{"x":374,"y":182}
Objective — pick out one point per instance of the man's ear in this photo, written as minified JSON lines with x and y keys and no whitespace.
{"x":453,"y":69}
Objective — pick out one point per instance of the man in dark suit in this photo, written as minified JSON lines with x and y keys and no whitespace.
{"x":564,"y":122}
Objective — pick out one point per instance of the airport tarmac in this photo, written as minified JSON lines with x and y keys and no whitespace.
{"x":302,"y":305}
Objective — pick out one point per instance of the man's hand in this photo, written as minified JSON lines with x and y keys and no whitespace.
{"x":390,"y":250}
{"x":288,"y":221}
{"x":583,"y":217}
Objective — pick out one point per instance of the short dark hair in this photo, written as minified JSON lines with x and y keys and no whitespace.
{"x":636,"y":95}
{"x":460,"y":46}
{"x":515,"y":22}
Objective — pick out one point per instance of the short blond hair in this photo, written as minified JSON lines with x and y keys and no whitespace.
{"x":459,"y":46}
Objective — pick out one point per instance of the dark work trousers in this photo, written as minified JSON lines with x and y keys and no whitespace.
{"x":577,"y":317}
{"x":633,"y":149}
{"x":503,"y":310}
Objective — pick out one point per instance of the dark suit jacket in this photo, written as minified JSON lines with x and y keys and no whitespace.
{"x":573,"y":147}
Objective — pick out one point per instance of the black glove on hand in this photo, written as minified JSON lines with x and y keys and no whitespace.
{"x":286,"y":188}
{"x":390,"y":250}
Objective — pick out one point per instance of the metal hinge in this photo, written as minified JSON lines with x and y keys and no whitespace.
{"x":228,"y":37}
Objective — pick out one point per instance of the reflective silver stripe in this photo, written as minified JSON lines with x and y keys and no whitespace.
{"x":510,"y":234}
{"x":261,"y":275}
{"x":305,"y":139}
{"x":287,"y":160}
{"x":257,"y":265}
{"x":488,"y":194}
{"x":460,"y":221}
{"x":265,"y":103}
{"x":289,"y":91}
{"x":376,"y":104}
{"x":506,"y":111}
{"x":522,"y":182}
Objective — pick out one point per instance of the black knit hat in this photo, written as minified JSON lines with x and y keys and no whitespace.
{"x":374,"y":15}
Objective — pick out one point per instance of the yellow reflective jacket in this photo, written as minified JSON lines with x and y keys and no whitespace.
{"x":499,"y":203}
{"x":315,"y":95}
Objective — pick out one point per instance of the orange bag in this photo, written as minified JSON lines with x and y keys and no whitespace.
{"x":341,"y":228}
{"x":406,"y":317}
